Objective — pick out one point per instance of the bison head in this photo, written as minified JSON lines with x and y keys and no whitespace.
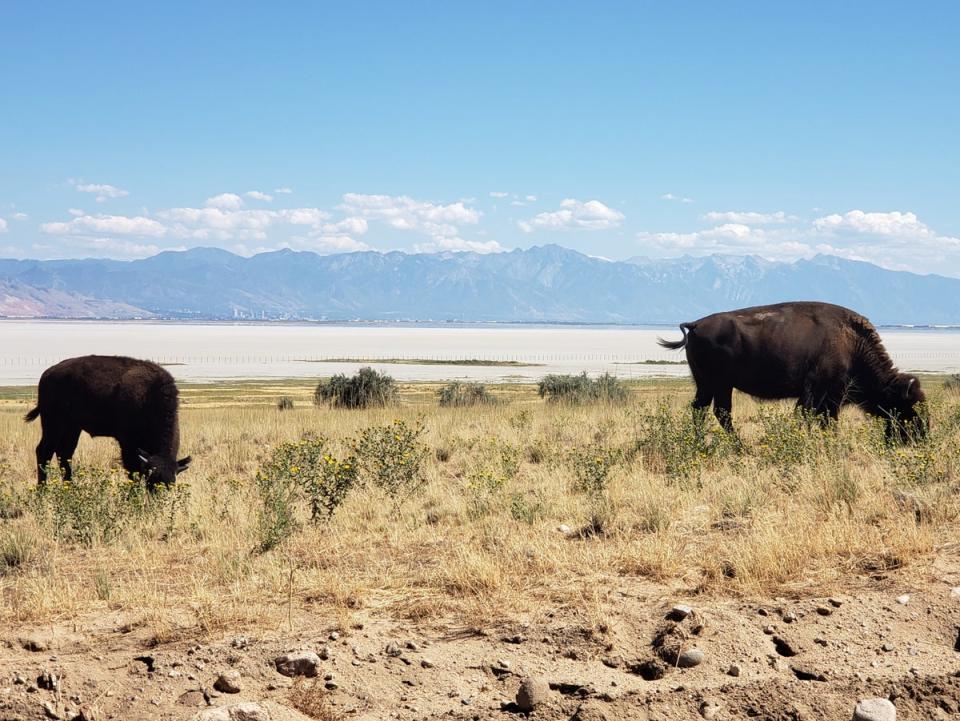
{"x":158,"y":468}
{"x":904,"y":409}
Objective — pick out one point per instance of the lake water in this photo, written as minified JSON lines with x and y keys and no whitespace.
{"x":230,"y":351}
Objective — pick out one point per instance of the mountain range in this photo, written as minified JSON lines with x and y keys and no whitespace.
{"x":540,"y":284}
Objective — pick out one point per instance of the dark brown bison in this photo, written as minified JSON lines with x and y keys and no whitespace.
{"x":131,"y":400}
{"x":823,"y":355}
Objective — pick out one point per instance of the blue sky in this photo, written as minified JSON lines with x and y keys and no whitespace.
{"x":617,"y":129}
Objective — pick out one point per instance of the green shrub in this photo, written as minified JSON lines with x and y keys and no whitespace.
{"x":366,"y":389}
{"x":465,"y":394}
{"x":952,"y":382}
{"x":581,"y":389}
{"x":591,"y":467}
{"x":96,"y":505}
{"x":391,"y":458}
{"x":679,"y":444}
{"x":301,"y":473}
{"x":285,"y":403}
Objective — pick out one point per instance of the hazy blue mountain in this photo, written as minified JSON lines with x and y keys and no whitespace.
{"x":547,"y":283}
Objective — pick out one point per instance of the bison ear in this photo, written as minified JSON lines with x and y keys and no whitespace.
{"x":183,"y":464}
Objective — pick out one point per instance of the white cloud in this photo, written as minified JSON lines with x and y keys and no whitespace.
{"x":679,"y":198}
{"x":894,"y":224}
{"x":458,"y":244}
{"x":283,"y":191}
{"x":225,"y":201}
{"x":122,"y":248}
{"x":101,"y":190}
{"x":106,"y":225}
{"x":498,"y":194}
{"x":748,"y":218}
{"x":258,"y":195}
{"x":221,"y":224}
{"x":531,"y":198}
{"x":407,"y":214}
{"x":76,"y":212}
{"x":20,"y":216}
{"x":3,"y":226}
{"x":573,"y":214}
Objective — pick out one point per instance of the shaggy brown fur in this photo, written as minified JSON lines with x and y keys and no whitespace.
{"x":822,"y":354}
{"x":131,"y":400}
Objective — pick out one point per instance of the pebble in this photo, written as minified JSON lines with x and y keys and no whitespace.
{"x":824,"y":610}
{"x":426,"y":663}
{"x":533,"y":692}
{"x":238,"y":712}
{"x":392,"y":650}
{"x":50,"y":711}
{"x":904,"y":599}
{"x":298,"y":663}
{"x":875,"y":709}
{"x":955,"y":593}
{"x":769,"y":630}
{"x":734,"y":670}
{"x":835,"y":602}
{"x":228,"y":682}
{"x":679,"y":612}
{"x":240,"y":642}
{"x":789,"y":617}
{"x":325,"y":653}
{"x":334,"y":635}
{"x":564,"y":529}
{"x":690,"y":657}
{"x":709,"y":709}
{"x":887,"y":647}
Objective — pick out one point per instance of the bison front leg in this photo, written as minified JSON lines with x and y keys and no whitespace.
{"x":45,"y":451}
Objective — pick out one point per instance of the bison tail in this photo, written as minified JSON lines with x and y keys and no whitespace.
{"x":676,"y":344}
{"x":32,"y":415}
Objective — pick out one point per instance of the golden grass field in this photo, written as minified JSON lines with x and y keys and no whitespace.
{"x":789,"y":510}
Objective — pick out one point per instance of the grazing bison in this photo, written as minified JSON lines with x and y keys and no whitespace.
{"x":822,"y":354}
{"x":131,"y":400}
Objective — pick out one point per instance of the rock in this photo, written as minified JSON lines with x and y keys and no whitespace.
{"x":835,"y":602}
{"x":533,"y":692}
{"x":784,"y":647}
{"x":679,"y":612}
{"x":426,"y":662}
{"x":50,"y":711}
{"x":334,"y":635}
{"x":650,"y":669}
{"x":875,"y":709}
{"x":564,"y":529}
{"x":228,"y":682}
{"x":789,"y":617}
{"x":734,"y":670}
{"x":85,"y":713}
{"x":238,"y":712}
{"x":298,"y":663}
{"x":240,"y":642}
{"x":690,"y":657}
{"x":824,"y":610}
{"x":709,"y":709}
{"x":888,"y":647}
{"x":392,"y":650}
{"x":770,"y":630}
{"x":325,"y":653}
{"x":904,"y":599}
{"x":955,"y":593}
{"x":36,"y":643}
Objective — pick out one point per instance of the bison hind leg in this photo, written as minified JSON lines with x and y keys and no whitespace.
{"x":45,"y":450}
{"x":723,"y":408}
{"x":65,"y":448}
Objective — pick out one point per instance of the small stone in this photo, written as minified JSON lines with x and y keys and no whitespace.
{"x":426,"y":663}
{"x":240,"y":642}
{"x":824,"y":610}
{"x":709,"y":709}
{"x":835,"y":602}
{"x":770,"y":630}
{"x":298,"y":663}
{"x":734,"y":670}
{"x":690,"y":657}
{"x":392,"y":650}
{"x":888,"y":647}
{"x":679,"y":612}
{"x":533,"y":692}
{"x":763,"y":612}
{"x":875,"y":709}
{"x":325,"y":653}
{"x":50,"y":710}
{"x":904,"y":599}
{"x":955,"y":593}
{"x":412,"y":646}
{"x":228,"y":682}
{"x":564,"y":529}
{"x":789,"y":617}
{"x":334,"y":635}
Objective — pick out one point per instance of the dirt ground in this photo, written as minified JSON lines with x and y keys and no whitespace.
{"x":770,"y":659}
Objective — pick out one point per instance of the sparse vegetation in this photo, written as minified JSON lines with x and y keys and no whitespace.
{"x":285,"y":403}
{"x":366,"y":389}
{"x":454,"y":506}
{"x":577,"y":390}
{"x":459,"y":393}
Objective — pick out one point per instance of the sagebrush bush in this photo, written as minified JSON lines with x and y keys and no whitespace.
{"x":392,"y":458}
{"x":591,"y":467}
{"x":301,"y":473}
{"x":459,"y":393}
{"x":365,"y":389}
{"x":582,"y":389}
{"x":285,"y":403}
{"x":96,"y":505}
{"x":680,"y":444}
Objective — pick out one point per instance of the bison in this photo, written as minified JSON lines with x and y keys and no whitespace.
{"x":823,"y":355}
{"x":132,"y":400}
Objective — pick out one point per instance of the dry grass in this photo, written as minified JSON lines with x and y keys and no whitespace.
{"x":787,"y":510}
